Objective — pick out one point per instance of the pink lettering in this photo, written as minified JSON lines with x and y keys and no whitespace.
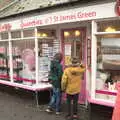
{"x":86,"y":15}
{"x":31,"y":23}
{"x":5,"y":27}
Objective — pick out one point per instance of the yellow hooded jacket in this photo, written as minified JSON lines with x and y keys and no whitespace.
{"x":71,"y":79}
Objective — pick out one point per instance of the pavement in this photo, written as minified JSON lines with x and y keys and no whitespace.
{"x":15,"y":104}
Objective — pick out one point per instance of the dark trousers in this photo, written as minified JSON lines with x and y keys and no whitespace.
{"x":74,"y":99}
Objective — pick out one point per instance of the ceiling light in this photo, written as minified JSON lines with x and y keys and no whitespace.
{"x":66,"y":34}
{"x":44,"y":35}
{"x":77,"y":33}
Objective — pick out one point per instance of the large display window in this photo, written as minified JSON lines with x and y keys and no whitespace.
{"x":4,"y":64}
{"x":106,"y":59}
{"x":23,"y":61}
{"x":25,"y":55}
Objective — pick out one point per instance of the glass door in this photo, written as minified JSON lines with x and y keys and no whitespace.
{"x":73,"y":44}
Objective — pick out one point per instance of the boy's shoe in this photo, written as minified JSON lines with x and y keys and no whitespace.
{"x":58,"y":113}
{"x":49,"y":110}
{"x":75,"y":117}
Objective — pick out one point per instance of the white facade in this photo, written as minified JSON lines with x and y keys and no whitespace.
{"x":87,"y":17}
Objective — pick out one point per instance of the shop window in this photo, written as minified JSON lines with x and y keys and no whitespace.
{"x":24,"y":55}
{"x":4,"y":61}
{"x":43,"y":33}
{"x":108,"y":26}
{"x":23,"y":61}
{"x":29,"y":33}
{"x":4,"y":35}
{"x":108,"y":60}
{"x":48,"y":46}
{"x":107,"y":37}
{"x":16,"y":34}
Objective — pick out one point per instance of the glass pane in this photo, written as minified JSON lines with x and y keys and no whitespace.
{"x":16,"y":34}
{"x":4,"y":36}
{"x":109,"y":26}
{"x":24,"y":61}
{"x":28,"y":33}
{"x":48,"y":47}
{"x":4,"y":61}
{"x":108,"y":62}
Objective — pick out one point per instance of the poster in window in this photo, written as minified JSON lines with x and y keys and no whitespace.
{"x":68,"y":49}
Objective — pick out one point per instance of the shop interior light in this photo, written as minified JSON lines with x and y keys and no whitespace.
{"x":66,"y":34}
{"x":77,"y":33}
{"x":44,"y":35}
{"x":110,"y":29}
{"x":39,"y":34}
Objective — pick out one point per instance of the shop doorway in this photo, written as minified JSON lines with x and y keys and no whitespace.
{"x":73,"y":44}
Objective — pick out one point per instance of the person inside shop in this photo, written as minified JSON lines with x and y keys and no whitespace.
{"x":54,"y":77}
{"x":71,"y":84}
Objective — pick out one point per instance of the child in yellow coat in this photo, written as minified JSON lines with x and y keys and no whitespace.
{"x":71,"y":84}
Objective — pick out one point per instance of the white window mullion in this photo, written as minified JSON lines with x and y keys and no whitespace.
{"x":10,"y":57}
{"x":22,"y":34}
{"x":93,"y":59}
{"x":36,"y":55}
{"x":0,"y":37}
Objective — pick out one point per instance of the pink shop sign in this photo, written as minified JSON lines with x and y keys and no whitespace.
{"x":55,"y":19}
{"x":64,"y":16}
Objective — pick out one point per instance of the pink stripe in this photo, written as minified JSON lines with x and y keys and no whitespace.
{"x":106,"y":92}
{"x":24,"y":79}
{"x":4,"y":76}
{"x":18,"y":78}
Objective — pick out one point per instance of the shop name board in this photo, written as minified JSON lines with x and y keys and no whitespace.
{"x":58,"y":19}
{"x":65,"y":16}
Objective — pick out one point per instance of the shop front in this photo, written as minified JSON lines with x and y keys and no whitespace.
{"x":28,"y":44}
